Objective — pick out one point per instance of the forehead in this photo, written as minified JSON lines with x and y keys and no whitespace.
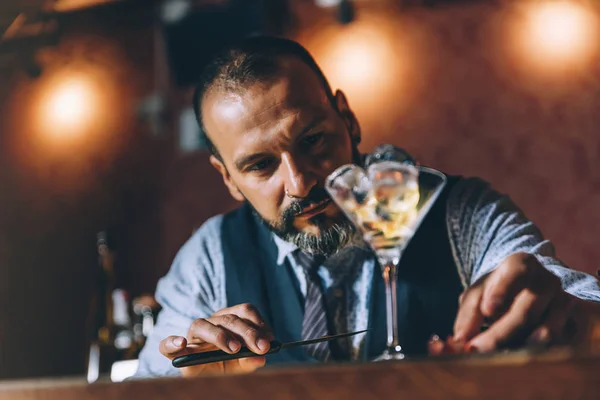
{"x":265,"y":111}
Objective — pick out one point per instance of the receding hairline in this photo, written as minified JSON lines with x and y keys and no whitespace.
{"x":309,"y":111}
{"x":223,"y":87}
{"x":250,"y":60}
{"x":282,"y":61}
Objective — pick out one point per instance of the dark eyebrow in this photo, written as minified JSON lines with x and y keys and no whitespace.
{"x":315,"y":122}
{"x":249,"y":159}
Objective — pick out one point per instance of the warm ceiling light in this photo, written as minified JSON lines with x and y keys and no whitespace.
{"x":69,"y":106}
{"x":558,"y":33}
{"x":359,"y":59}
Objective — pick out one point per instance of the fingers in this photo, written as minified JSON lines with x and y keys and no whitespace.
{"x":435,"y":346}
{"x":228,"y":333}
{"x":469,"y":318}
{"x":227,"y":330}
{"x":205,"y":331}
{"x":177,"y":346}
{"x":173,"y":346}
{"x":450,"y":346}
{"x":254,"y":337}
{"x":524,"y":287}
{"x":250,"y":313}
{"x":514,"y":326}
{"x":501,"y":287}
{"x":515,"y":297}
{"x":246,"y":311}
{"x":554,"y":328}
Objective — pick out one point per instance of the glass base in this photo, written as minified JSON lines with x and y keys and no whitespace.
{"x":392,"y":353}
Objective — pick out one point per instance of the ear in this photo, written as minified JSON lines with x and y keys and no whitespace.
{"x":348,"y":116}
{"x":233,"y":189}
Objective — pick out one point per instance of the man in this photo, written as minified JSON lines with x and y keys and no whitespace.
{"x":288,"y":264}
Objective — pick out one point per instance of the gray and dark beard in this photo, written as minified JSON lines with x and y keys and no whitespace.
{"x":329,"y":241}
{"x":331,"y":238}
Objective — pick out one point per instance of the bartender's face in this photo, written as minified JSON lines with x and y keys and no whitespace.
{"x":278,"y":141}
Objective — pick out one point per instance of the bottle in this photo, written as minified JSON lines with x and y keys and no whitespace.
{"x":111,"y":333}
{"x":122,"y":327}
{"x":100,"y":314}
{"x":145,"y":311}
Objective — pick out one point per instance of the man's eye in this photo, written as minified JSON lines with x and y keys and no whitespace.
{"x":261,"y":165}
{"x":313,"y":140}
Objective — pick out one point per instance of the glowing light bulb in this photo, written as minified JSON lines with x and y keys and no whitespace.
{"x":69,"y":106}
{"x":360,"y":59}
{"x":559,"y":33}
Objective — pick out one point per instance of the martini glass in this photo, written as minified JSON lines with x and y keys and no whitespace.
{"x":387,"y":202}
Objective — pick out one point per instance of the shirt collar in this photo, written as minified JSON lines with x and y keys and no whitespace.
{"x":284,"y":249}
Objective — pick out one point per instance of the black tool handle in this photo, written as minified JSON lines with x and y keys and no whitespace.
{"x":208,"y":357}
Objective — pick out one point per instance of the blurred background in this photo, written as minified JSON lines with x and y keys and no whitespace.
{"x":103,"y":175}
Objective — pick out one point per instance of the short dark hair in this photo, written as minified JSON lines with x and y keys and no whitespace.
{"x":246,"y":62}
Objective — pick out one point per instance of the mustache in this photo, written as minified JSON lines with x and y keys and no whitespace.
{"x":315,"y":196}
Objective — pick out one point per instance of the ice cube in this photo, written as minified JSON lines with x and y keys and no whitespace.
{"x":367,"y":212}
{"x":348,"y":186}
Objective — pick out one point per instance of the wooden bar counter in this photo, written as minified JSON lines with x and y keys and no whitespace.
{"x":557,"y":374}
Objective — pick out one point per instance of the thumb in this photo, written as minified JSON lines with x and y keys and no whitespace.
{"x":173,"y":346}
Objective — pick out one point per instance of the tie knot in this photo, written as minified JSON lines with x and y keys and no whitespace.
{"x":309,"y":262}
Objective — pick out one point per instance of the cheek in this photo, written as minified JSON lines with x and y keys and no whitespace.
{"x":265,"y":198}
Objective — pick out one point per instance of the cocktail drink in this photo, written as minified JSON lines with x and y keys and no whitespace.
{"x":387,"y":202}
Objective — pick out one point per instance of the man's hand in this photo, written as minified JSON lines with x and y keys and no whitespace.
{"x":522,"y":302}
{"x":228,"y":329}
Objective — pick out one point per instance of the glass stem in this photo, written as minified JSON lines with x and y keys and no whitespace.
{"x":390,"y":274}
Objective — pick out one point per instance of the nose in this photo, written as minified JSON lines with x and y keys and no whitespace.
{"x":297,"y":180}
